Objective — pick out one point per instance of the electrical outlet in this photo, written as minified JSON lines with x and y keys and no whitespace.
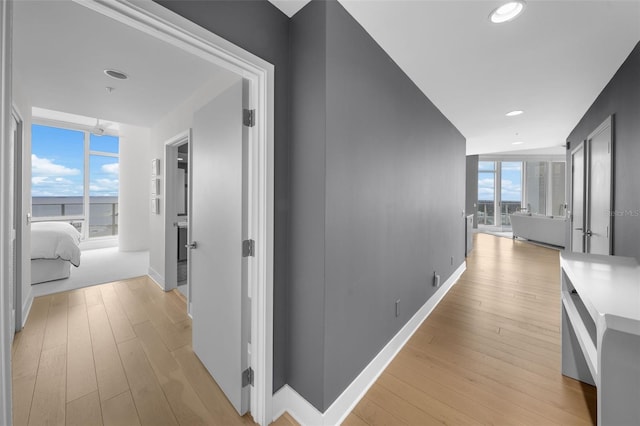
{"x":436,"y":279}
{"x":398,"y":308}
{"x":452,"y":260}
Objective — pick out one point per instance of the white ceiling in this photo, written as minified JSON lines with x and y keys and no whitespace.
{"x":61,"y":49}
{"x":551,"y":62}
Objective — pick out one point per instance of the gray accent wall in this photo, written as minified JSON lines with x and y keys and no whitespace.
{"x":306,"y":307}
{"x":378,"y":194}
{"x":260,"y":28}
{"x":620,"y":98}
{"x":369,"y":189}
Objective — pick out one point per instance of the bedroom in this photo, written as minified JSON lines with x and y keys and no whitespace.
{"x":74,"y":116}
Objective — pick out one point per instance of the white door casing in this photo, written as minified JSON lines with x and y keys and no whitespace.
{"x":599,"y":198}
{"x":577,"y":198}
{"x":157,"y":21}
{"x":218,"y":271}
{"x":5,"y":211}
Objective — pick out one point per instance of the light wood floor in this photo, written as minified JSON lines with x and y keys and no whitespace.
{"x":113,"y":354}
{"x":489,"y":353}
{"x":120,"y":354}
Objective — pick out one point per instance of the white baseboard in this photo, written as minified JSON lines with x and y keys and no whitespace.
{"x":156,"y":277}
{"x":287,"y":399}
{"x":26,"y":307}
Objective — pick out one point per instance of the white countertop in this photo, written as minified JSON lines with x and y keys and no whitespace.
{"x":609,"y":287}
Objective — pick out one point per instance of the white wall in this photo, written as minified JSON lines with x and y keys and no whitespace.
{"x":177,"y":121}
{"x":133,"y":209}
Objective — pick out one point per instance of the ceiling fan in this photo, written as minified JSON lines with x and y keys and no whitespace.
{"x":98,"y":129}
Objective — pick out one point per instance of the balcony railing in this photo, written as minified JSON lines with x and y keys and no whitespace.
{"x":486,"y":212}
{"x":103,"y":213}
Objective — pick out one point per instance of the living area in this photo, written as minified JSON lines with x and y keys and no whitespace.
{"x":519,"y":195}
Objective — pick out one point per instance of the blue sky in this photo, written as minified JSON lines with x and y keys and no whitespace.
{"x":511,"y":181}
{"x":57,"y":157}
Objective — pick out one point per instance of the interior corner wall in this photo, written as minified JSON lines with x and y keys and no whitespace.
{"x":387,"y":211}
{"x":620,"y":98}
{"x":306,"y":302}
{"x":471,"y":188}
{"x":133,"y":199}
{"x":260,"y":28}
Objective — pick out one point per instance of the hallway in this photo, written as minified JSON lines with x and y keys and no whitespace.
{"x":489,"y":353}
{"x":119,"y":353}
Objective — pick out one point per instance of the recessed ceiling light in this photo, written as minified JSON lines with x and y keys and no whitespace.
{"x":517,"y":143}
{"x":514,"y":113}
{"x":118,"y":75}
{"x":507,"y":11}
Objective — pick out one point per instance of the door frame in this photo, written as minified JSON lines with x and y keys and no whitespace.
{"x":581,"y":146}
{"x":18,"y":149}
{"x":155,"y":20}
{"x":607,"y":124}
{"x":170,"y":234}
{"x":6,"y":29}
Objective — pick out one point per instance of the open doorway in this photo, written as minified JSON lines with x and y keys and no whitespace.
{"x":153,"y":20}
{"x":177,"y":206}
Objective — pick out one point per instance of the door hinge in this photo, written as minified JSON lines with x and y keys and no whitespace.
{"x":248,"y":248}
{"x":249,"y":117}
{"x":247,"y":377}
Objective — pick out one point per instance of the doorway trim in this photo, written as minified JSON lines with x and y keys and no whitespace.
{"x":170,"y":236}
{"x":18,"y":211}
{"x":580,"y":147}
{"x":605,"y":126}
{"x":155,"y":20}
{"x":6,"y":29}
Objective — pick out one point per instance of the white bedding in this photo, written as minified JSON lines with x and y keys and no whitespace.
{"x":55,"y":240}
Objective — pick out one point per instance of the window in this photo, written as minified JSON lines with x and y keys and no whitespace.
{"x":504,"y":187}
{"x":499,"y":191}
{"x":486,"y":192}
{"x":75,"y":179}
{"x":536,"y":184}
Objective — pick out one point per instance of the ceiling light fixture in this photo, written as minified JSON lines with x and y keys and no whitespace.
{"x":507,"y":12}
{"x":517,"y":143}
{"x":514,"y":113}
{"x":118,"y":75}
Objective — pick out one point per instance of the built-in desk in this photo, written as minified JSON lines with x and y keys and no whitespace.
{"x":601,"y":331}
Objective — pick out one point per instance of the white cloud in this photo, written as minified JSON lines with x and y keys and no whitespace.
{"x":104,"y":186}
{"x":39,"y":180}
{"x":46,"y":167}
{"x":112,"y":168}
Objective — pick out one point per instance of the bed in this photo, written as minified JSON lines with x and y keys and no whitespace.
{"x":54,"y":248}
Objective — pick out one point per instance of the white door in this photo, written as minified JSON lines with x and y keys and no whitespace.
{"x":577,"y":199}
{"x":218,"y":279}
{"x":599,"y":206}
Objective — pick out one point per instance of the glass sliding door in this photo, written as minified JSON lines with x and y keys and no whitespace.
{"x":510,"y":190}
{"x":536,"y":186}
{"x":557,"y":188}
{"x":486,"y":192}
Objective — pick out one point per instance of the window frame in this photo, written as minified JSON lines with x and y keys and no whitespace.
{"x":86,"y":191}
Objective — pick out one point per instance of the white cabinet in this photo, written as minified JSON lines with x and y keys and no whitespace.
{"x":601,"y":331}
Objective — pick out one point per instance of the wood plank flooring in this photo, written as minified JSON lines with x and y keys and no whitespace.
{"x":120,"y":354}
{"x":114,"y":354}
{"x":488,"y":354}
